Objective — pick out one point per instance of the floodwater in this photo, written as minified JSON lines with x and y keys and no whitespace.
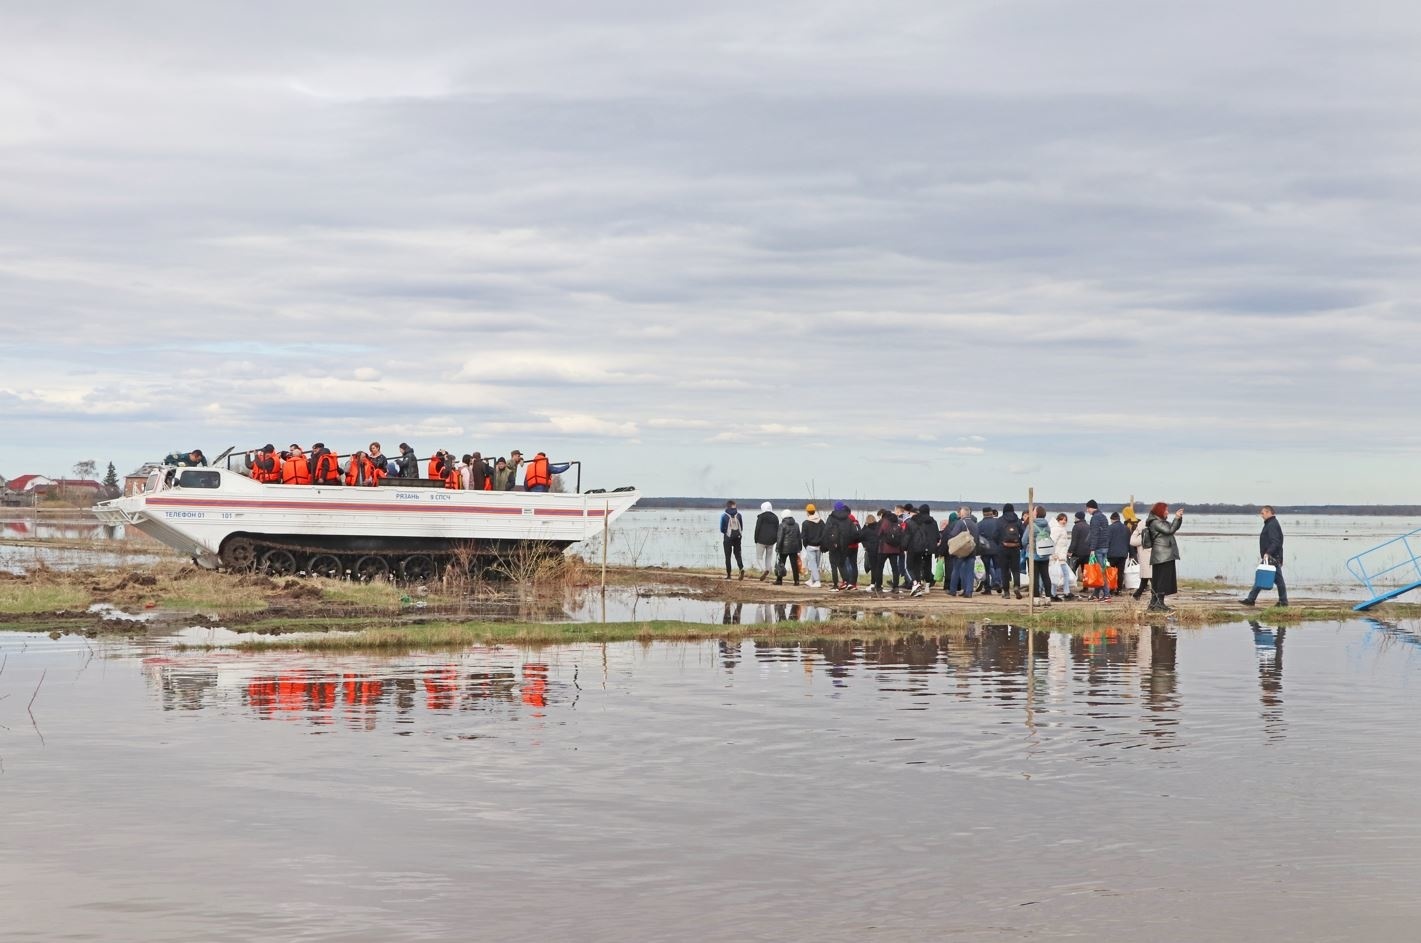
{"x":1236,"y":782}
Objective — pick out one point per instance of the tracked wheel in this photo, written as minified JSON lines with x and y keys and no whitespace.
{"x":239,"y":554}
{"x":279,"y":562}
{"x":417,"y":568}
{"x":371,"y":569}
{"x":326,"y":565}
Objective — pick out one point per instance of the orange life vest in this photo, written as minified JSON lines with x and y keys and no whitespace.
{"x":436,"y":467}
{"x":327,"y":469}
{"x":537,"y":473}
{"x":296,"y":470}
{"x":360,"y":471}
{"x":453,"y":480}
{"x":488,"y":483}
{"x":266,"y":468}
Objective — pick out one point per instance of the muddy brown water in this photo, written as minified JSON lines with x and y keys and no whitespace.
{"x":1235,"y":782}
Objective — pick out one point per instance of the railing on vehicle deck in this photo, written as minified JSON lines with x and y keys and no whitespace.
{"x":1394,"y":560}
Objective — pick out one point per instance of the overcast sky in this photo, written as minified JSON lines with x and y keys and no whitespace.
{"x":922,"y":249}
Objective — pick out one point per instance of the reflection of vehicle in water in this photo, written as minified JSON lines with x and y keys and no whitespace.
{"x":220,"y":517}
{"x":359,"y":691}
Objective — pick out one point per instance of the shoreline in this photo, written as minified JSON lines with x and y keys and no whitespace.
{"x":166,"y":595}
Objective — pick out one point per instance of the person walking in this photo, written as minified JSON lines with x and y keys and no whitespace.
{"x":788,"y":545}
{"x":1139,"y":541}
{"x":893,"y":544}
{"x":1164,"y":554}
{"x":767,"y":534}
{"x":922,"y":541}
{"x":1270,"y":550}
{"x":812,"y":531}
{"x":1040,"y":545}
{"x":1061,"y":557}
{"x":872,"y":562}
{"x":732,"y":529}
{"x":989,"y":546}
{"x":1009,"y":556}
{"x":1099,"y":546}
{"x":1119,"y":549}
{"x":1080,"y":543}
{"x":963,"y":572}
{"x":841,"y":538}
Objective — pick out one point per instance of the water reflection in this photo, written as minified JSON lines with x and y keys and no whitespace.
{"x":1112,"y":780}
{"x":1117,"y":684}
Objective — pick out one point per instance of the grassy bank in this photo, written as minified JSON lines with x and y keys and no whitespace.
{"x":436,"y":634}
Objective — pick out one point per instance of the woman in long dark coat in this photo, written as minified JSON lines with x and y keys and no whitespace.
{"x":1164,"y":553}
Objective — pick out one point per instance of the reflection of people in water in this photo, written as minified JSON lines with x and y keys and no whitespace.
{"x":1268,"y":647}
{"x":731,"y":614}
{"x":1160,"y":680}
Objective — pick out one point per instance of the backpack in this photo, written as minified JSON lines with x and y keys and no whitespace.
{"x":1011,"y":533}
{"x":894,"y":536}
{"x":732,"y":525}
{"x":1045,"y":543}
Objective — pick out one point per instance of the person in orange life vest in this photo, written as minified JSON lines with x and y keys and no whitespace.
{"x":539,"y":475}
{"x":325,"y":469}
{"x":439,"y":464}
{"x":264,"y":464}
{"x":295,"y":470}
{"x":453,"y":475}
{"x":362,"y":471}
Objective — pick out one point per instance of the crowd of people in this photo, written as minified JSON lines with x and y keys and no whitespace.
{"x":368,"y":468}
{"x":906,"y":546}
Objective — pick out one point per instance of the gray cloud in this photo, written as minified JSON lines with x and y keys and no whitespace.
{"x":744,"y":247}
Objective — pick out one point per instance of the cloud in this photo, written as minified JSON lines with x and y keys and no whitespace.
{"x":768,"y":241}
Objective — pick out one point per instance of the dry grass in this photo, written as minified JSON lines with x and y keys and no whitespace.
{"x":21,"y":598}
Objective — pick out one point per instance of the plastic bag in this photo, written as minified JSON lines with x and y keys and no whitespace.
{"x":1132,"y":575}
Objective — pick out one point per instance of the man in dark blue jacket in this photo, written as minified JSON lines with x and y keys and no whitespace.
{"x":1099,"y":543}
{"x":1270,"y":549}
{"x":989,"y":544}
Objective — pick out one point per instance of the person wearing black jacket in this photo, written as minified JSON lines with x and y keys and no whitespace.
{"x":840,"y":538}
{"x":1009,"y":555}
{"x":1119,"y":550}
{"x":407,"y":463}
{"x":922,"y":541}
{"x":767,"y":534}
{"x":788,"y":544}
{"x":989,"y":545}
{"x":1270,"y":550}
{"x":1079,"y":551}
{"x":872,"y":562}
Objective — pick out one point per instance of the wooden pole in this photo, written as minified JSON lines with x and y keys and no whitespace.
{"x":1029,"y":541}
{"x":606,"y":512}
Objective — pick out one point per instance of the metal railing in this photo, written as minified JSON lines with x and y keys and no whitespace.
{"x":1402,"y":549}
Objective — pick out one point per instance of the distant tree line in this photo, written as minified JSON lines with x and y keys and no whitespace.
{"x":1354,"y":510}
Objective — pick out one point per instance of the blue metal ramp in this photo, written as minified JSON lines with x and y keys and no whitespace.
{"x":1397,"y":559}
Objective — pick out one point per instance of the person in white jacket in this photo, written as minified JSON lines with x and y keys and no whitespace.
{"x":1061,"y":558}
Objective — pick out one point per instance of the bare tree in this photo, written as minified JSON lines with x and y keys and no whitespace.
{"x":86,"y":469}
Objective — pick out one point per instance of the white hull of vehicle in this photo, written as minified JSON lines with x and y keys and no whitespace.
{"x":202,"y":522}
